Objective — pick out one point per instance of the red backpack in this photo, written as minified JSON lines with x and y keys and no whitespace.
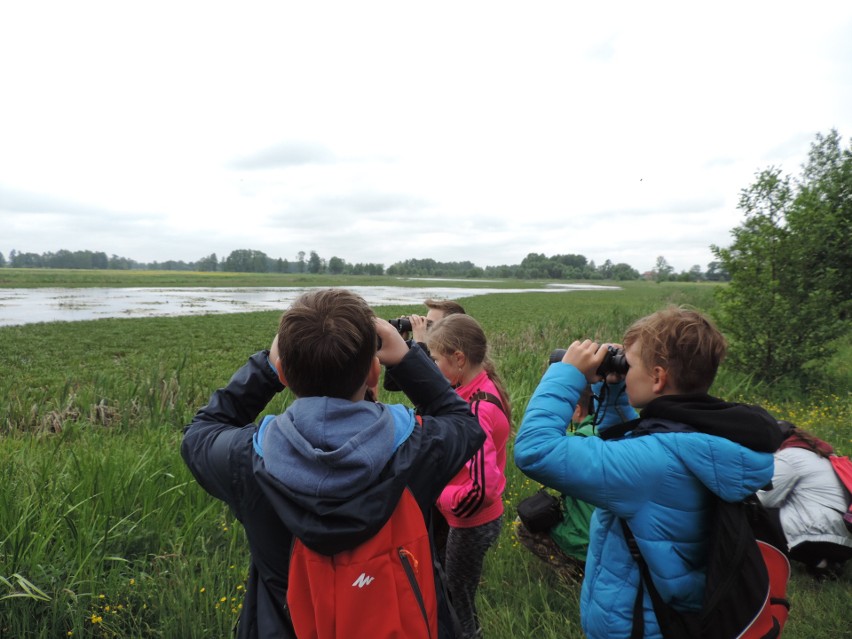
{"x":843,"y":469}
{"x":382,"y":589}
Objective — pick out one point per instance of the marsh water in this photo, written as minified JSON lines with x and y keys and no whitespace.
{"x":31,"y":305}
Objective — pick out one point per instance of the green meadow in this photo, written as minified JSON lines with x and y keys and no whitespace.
{"x":104,"y":533}
{"x":77,"y":278}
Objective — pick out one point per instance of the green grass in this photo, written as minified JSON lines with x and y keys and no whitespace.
{"x":73,"y":278}
{"x":103,"y":532}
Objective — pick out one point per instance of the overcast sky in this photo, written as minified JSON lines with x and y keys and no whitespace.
{"x":381,"y":131}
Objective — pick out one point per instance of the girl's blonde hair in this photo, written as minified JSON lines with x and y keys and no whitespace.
{"x":463,"y":333}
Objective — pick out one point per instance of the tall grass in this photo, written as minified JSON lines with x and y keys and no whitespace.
{"x":103,"y":532}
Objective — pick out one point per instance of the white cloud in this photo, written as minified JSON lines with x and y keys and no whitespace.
{"x":380,"y":131}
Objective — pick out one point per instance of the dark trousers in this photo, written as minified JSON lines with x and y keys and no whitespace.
{"x":465,"y":553}
{"x":813,"y":552}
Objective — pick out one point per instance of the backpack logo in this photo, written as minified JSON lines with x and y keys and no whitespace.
{"x":363,"y":580}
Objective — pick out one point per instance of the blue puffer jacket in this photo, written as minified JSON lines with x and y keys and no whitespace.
{"x":658,"y":483}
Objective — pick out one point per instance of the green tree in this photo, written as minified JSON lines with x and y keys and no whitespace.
{"x":753,"y":311}
{"x":209,"y":263}
{"x":25,"y":260}
{"x":2,"y":261}
{"x":716,"y":272}
{"x":821,"y":221}
{"x":662,"y":270}
{"x":336,"y":265}
{"x":623,"y":272}
{"x":121,"y":263}
{"x":247,"y":261}
{"x":694,"y":274}
{"x":789,"y":265}
{"x":314,"y":263}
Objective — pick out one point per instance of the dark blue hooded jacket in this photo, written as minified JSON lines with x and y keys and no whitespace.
{"x":327,"y":470}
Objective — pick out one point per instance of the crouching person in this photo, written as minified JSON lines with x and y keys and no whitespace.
{"x":565,"y":545}
{"x":334,"y":471}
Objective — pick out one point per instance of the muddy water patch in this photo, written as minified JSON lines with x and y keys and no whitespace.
{"x":31,"y":305}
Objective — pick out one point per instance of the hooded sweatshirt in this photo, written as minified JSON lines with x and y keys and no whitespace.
{"x":660,"y":483}
{"x":328,"y":471}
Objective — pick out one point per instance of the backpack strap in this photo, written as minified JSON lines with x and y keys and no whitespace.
{"x":672,"y":623}
{"x":638,"y":630}
{"x":483,"y":396}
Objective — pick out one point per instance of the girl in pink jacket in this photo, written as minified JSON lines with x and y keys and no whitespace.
{"x":472,"y":502}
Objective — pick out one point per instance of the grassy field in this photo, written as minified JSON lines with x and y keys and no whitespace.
{"x":103,"y":532}
{"x":76,"y":278}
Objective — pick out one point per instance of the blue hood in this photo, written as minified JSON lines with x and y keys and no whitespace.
{"x":329,"y":470}
{"x":338,"y":446}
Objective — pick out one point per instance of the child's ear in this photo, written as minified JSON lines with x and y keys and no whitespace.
{"x":660,"y":380}
{"x":461,"y":358}
{"x":374,"y":372}
{"x":280,"y":368}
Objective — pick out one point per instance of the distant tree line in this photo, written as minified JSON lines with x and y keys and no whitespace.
{"x":68,"y":259}
{"x":533,"y":266}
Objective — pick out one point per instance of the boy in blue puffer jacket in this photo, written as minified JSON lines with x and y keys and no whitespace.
{"x":659,"y":483}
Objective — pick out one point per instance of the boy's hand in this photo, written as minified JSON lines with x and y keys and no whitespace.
{"x":418,"y":328}
{"x":586,"y":357}
{"x":393,"y":347}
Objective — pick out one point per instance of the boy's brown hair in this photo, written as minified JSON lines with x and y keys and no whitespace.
{"x":326,"y":341}
{"x":448,"y":306}
{"x":684,"y":342}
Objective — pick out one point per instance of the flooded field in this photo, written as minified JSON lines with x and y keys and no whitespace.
{"x":30,"y":305}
